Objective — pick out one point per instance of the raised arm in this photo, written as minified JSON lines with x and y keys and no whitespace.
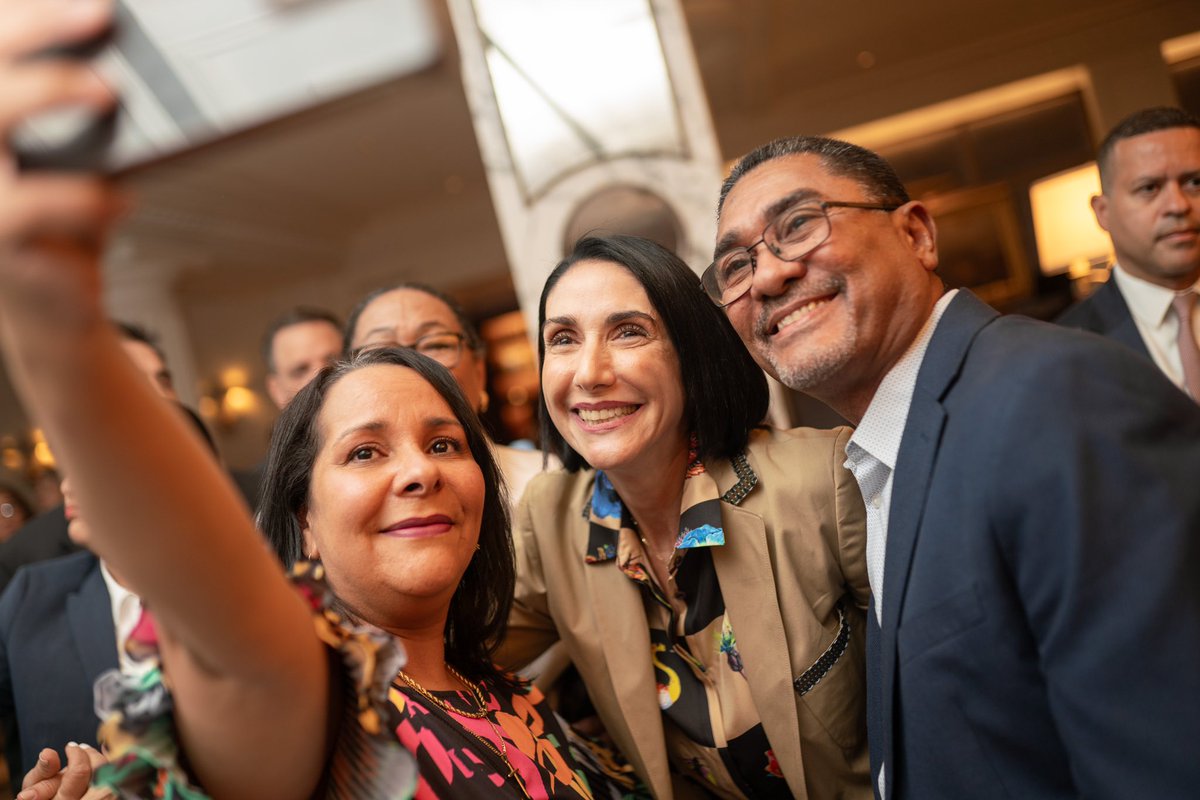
{"x":249,"y":677}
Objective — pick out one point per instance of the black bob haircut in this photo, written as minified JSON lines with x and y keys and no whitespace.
{"x":479,"y":609}
{"x":725,"y":393}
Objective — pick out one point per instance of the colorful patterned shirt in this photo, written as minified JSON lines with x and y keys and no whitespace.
{"x":713,"y":729}
{"x":551,"y":760}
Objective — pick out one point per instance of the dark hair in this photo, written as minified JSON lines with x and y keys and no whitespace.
{"x":869,"y":169}
{"x":479,"y":609}
{"x":725,"y":392}
{"x":294,"y":316}
{"x":200,"y":428}
{"x":137,"y":333}
{"x":1148,"y":120}
{"x":471,"y":335}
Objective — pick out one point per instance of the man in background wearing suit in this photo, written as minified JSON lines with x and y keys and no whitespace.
{"x":62,"y":620}
{"x":1031,"y":495}
{"x":45,"y":536}
{"x":296,"y":346}
{"x":1150,"y":206}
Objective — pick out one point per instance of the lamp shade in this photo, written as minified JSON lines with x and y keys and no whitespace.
{"x":1068,"y":237}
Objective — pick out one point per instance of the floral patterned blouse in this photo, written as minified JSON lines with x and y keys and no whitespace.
{"x":390,"y":743}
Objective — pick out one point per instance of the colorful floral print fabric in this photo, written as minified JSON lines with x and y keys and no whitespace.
{"x":138,"y":734}
{"x":714,"y":732}
{"x":550,"y":759}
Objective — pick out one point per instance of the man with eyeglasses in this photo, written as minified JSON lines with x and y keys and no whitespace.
{"x":1033,"y":538}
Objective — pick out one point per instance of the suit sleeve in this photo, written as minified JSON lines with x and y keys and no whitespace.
{"x":531,"y":629}
{"x":1098,"y":505}
{"x":10,"y":603}
{"x":851,"y":524}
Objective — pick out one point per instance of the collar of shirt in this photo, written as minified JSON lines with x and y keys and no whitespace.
{"x":882,"y":426}
{"x":1148,"y":302}
{"x":612,"y":531}
{"x":126,"y":608}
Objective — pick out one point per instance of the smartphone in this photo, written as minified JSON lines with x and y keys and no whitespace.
{"x":189,"y":73}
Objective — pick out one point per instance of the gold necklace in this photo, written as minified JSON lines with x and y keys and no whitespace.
{"x":664,"y":559}
{"x":476,"y":692}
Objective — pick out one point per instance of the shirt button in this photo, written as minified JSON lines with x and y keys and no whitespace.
{"x":876,"y":501}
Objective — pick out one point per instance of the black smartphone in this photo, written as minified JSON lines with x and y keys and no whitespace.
{"x":189,"y":73}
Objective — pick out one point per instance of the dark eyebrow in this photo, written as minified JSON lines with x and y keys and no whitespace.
{"x":730,"y":240}
{"x":558,"y":321}
{"x":422,"y":329}
{"x":622,"y":316}
{"x":433,"y":423}
{"x":612,"y":319}
{"x":373,"y":425}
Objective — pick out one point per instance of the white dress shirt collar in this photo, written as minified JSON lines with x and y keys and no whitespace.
{"x":882,"y":426}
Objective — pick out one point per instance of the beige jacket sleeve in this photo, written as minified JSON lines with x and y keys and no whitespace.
{"x":531,"y":629}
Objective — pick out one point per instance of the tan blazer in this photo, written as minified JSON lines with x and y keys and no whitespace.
{"x":795,"y":546}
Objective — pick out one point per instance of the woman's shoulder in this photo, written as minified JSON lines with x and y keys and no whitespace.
{"x":556,"y":491}
{"x":792,"y":449}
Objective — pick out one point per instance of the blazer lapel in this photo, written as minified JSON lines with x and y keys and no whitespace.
{"x":1118,"y":321}
{"x":625,"y":643}
{"x":89,"y":613}
{"x":948,"y":348}
{"x":748,"y":587}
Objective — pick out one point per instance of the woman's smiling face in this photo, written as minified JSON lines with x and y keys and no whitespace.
{"x":610,"y":374}
{"x":396,"y":498}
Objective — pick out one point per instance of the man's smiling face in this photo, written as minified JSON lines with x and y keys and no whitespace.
{"x":834,"y":322}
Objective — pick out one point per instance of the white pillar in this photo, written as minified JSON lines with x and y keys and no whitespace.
{"x":533,"y":224}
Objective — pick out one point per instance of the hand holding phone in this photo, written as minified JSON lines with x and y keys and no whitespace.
{"x":193,"y":72}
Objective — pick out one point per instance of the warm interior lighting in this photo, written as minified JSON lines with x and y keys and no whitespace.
{"x":234,"y":376}
{"x":230,"y":401}
{"x":1181,"y":48}
{"x":1068,"y":237}
{"x":42,"y":455}
{"x":239,"y":401}
{"x":880,"y":133}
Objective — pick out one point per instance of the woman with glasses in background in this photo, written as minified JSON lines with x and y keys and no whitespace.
{"x":707,"y":576}
{"x":430,"y":322}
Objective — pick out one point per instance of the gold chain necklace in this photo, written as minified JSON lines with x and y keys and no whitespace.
{"x":476,"y":692}
{"x":664,"y":559}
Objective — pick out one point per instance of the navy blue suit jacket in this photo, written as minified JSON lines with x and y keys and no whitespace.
{"x":56,"y":638}
{"x":1105,"y":312}
{"x":1041,"y":609}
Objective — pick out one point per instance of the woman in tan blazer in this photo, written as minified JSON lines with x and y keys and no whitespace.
{"x":707,"y":578}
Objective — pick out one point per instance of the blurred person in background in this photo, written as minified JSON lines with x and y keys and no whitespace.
{"x":14,"y":511}
{"x":1150,"y":205}
{"x":296,"y":346}
{"x":432,"y":323}
{"x":45,"y":536}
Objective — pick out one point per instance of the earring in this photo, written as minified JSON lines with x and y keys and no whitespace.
{"x":483,"y":401}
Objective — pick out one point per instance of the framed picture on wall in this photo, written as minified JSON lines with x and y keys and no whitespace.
{"x":979,"y":243}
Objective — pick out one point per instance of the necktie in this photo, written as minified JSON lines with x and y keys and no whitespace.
{"x":1189,"y":353}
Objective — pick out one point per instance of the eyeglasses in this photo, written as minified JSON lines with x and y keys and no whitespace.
{"x":792,"y":235}
{"x":445,"y":348}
